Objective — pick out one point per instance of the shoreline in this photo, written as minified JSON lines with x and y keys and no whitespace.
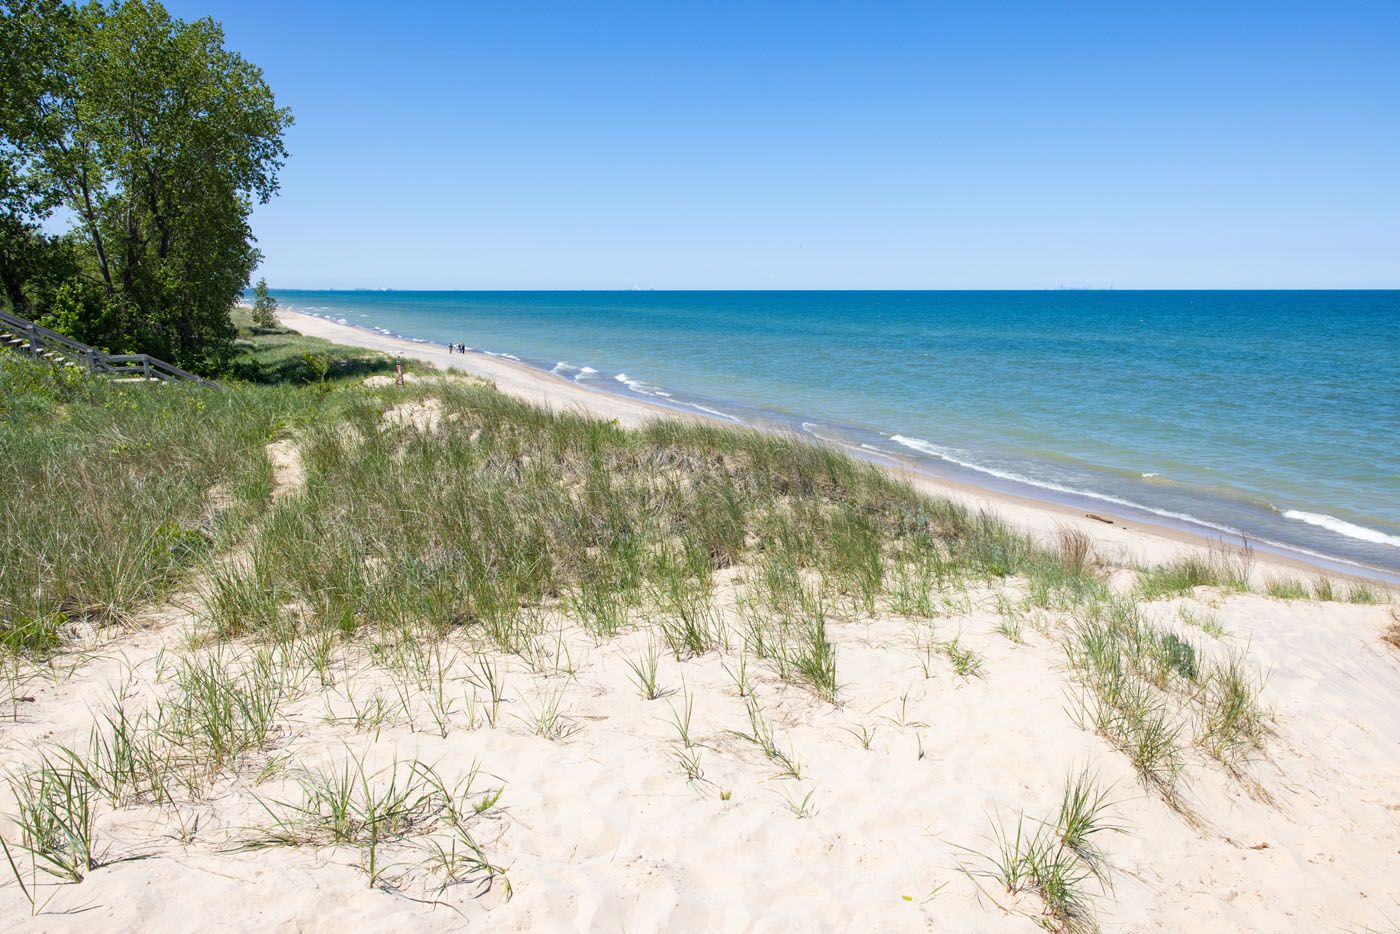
{"x":1126,"y":537}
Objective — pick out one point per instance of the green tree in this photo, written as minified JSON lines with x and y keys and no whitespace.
{"x":158,"y":141}
{"x":33,"y":38}
{"x":264,"y":306}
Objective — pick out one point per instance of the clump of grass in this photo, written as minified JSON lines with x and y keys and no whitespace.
{"x":218,"y":712}
{"x":241,"y":600}
{"x":1219,"y":567}
{"x":761,"y":735}
{"x":1009,"y":622}
{"x":1287,"y":588}
{"x":811,"y":656}
{"x":1075,"y":549}
{"x":374,"y":810}
{"x":864,"y":735}
{"x":966,"y":663}
{"x":1084,"y":818}
{"x":1359,"y":592}
{"x":644,"y":673}
{"x":1123,"y":664}
{"x":548,"y":720}
{"x":801,"y":808}
{"x":1055,"y":859}
{"x":786,"y":622}
{"x":1233,"y":723}
{"x":486,"y":673}
{"x":689,"y":762}
{"x":129,"y":758}
{"x":739,"y":674}
{"x":681,"y":719}
{"x":1391,"y":636}
{"x":57,"y":813}
{"x":687,"y":621}
{"x":913,"y":586}
{"x":1030,"y":859}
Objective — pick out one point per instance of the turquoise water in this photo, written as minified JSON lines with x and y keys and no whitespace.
{"x":1267,"y":415}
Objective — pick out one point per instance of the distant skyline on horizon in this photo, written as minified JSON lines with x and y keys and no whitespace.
{"x":1026,"y":146}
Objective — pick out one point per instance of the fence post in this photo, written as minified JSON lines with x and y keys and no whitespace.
{"x":33,"y":340}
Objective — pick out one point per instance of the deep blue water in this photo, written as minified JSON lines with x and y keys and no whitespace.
{"x":1271,"y":415}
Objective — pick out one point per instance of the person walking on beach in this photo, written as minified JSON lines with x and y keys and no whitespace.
{"x":451,"y":348}
{"x":398,"y":375}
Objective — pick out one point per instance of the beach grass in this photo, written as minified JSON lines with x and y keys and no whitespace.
{"x":1054,"y":860}
{"x":1223,"y":568}
{"x":117,"y":491}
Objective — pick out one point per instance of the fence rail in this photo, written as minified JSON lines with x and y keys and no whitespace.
{"x":24,"y":336}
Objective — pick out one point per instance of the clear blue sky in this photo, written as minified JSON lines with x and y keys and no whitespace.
{"x":854,"y":145}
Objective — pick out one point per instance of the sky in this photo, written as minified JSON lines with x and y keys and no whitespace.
{"x":596,"y":145}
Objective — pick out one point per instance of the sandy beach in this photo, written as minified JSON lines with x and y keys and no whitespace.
{"x":617,"y":782}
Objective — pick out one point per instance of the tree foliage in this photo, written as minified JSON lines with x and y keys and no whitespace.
{"x":157,"y":140}
{"x":264,"y":306}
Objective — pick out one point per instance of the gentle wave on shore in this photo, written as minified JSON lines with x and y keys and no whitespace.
{"x":1202,"y":410}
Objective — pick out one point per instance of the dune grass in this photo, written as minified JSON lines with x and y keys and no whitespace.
{"x":1056,"y":859}
{"x":376,"y":811}
{"x":1220,"y":567}
{"x":116,"y":491}
{"x":507,"y":513}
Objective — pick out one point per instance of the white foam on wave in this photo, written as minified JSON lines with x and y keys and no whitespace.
{"x":576,"y":373}
{"x":811,"y":429}
{"x":637,"y":386}
{"x":647,"y":389}
{"x":924,"y":447}
{"x":1342,"y":527}
{"x":918,"y":444}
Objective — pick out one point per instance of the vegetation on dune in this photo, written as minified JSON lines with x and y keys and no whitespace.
{"x":271,"y":354}
{"x":117,"y":491}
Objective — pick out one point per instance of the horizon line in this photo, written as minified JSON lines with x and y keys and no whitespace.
{"x":302,"y":288}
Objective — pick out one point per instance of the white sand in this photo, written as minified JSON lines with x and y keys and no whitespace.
{"x":600,"y":830}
